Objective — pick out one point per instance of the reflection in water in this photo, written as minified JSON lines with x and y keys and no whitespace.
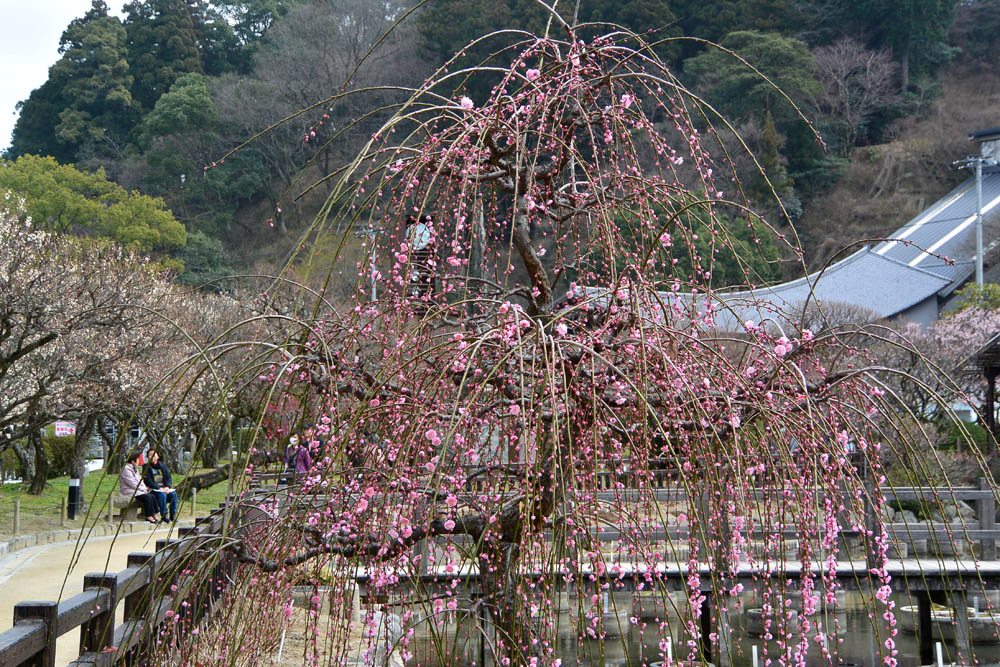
{"x":641,"y":644}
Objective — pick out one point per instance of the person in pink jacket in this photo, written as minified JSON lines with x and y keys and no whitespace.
{"x":131,"y":487}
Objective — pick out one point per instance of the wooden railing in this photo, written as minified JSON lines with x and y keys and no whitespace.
{"x":624,"y":485}
{"x":152,"y":588}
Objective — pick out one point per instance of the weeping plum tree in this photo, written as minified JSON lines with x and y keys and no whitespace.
{"x":515,"y":381}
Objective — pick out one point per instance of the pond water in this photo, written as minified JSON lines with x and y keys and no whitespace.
{"x":459,"y":646}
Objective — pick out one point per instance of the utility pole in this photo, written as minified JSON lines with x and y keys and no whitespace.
{"x":979,"y":222}
{"x":977,"y":162}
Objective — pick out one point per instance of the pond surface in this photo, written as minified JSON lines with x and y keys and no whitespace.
{"x":641,"y":648}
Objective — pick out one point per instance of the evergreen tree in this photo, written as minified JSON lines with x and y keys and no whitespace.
{"x":741,"y":92}
{"x":915,"y":30}
{"x":217,"y":43}
{"x":653,"y":20}
{"x":86,"y":102}
{"x":251,"y":19}
{"x":62,"y":198}
{"x":715,"y":20}
{"x":35,"y":129}
{"x":447,"y":27}
{"x":164,"y":45}
{"x":95,"y":67}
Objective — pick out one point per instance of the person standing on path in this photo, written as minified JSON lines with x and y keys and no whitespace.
{"x":420,"y":242}
{"x":157,"y":478}
{"x":297,"y":459}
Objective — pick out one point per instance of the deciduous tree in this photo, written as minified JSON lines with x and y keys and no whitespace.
{"x":484,"y":430}
{"x":61,"y":198}
{"x":856,"y":83}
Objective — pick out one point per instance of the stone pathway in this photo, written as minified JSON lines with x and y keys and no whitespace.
{"x":40,"y":573}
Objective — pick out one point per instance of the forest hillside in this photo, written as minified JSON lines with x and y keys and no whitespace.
{"x":221,"y":115}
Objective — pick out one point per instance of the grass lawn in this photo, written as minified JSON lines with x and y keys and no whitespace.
{"x":41,"y":513}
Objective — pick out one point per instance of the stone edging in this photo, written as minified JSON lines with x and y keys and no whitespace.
{"x":68,"y":534}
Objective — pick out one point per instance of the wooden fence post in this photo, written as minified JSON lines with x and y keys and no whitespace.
{"x":98,"y":632}
{"x":17,"y":516}
{"x":137,"y":602}
{"x":62,"y":512}
{"x":987,"y":511}
{"x":47,"y":613}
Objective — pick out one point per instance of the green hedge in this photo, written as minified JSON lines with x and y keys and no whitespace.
{"x":953,"y":438}
{"x":60,"y":453}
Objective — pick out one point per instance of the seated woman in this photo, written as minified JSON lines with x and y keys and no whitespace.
{"x":130,"y":486}
{"x":157,"y":478}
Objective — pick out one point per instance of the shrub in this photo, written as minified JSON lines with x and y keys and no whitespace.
{"x":60,"y":453}
{"x":10,"y":466}
{"x":952,"y":438}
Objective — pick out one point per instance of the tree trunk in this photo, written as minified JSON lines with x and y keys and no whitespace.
{"x":904,"y":66}
{"x":508,"y":611}
{"x":207,"y":450}
{"x":81,"y":443}
{"x":203,"y":480}
{"x":41,"y":474}
{"x":27,"y":459}
{"x":476,"y":254}
{"x":113,"y":456}
{"x":170,"y":452}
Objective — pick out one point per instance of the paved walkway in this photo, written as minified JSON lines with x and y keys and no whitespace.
{"x":39,"y":573}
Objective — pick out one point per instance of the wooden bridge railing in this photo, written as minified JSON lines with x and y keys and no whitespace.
{"x":145,"y":588}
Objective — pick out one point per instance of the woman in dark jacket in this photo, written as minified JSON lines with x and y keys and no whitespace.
{"x":157,"y":478}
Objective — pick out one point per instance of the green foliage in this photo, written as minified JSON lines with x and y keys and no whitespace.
{"x":204,"y":260}
{"x":9,"y":463}
{"x":653,"y":20}
{"x":976,"y":29}
{"x":163,"y":44}
{"x":97,"y":77}
{"x":973,"y":296}
{"x":740,"y":92}
{"x":35,"y":129}
{"x":915,"y":30}
{"x":742,"y":252}
{"x":62,"y":198}
{"x":186,"y":107}
{"x":218,"y":46}
{"x":60,"y":453}
{"x":748,"y":255}
{"x":86,"y":103}
{"x":42,"y":512}
{"x":952,"y":437}
{"x":251,"y":19}
{"x":714,"y":20}
{"x":447,"y":26}
{"x":924,"y":511}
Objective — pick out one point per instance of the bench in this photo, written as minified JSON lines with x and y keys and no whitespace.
{"x":131,"y":509}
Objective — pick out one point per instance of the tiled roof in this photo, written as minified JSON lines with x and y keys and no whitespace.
{"x":932,"y":252}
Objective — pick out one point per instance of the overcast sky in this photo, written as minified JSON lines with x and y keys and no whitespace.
{"x":29,"y":45}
